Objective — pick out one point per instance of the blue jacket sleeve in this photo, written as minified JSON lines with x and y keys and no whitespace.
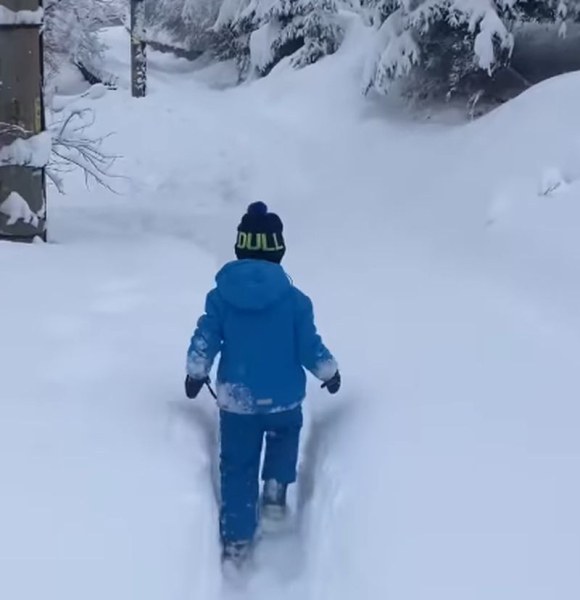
{"x":206,"y":341}
{"x":314,"y":355}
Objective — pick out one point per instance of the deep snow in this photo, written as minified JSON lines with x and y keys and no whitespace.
{"x":442,"y":261}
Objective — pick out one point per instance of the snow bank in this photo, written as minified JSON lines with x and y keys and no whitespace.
{"x":534,"y":164}
{"x":30,"y":152}
{"x":20,"y":17}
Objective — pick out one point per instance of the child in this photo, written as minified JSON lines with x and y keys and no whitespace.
{"x":264,"y":329}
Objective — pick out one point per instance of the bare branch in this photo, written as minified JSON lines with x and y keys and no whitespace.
{"x":74,"y":148}
{"x":56,"y":180}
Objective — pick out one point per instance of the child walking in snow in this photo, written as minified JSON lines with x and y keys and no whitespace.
{"x":264,"y":329}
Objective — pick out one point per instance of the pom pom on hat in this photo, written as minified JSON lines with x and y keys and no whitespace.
{"x":257,"y":209}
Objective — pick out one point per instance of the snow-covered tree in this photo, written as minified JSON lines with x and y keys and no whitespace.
{"x":306,"y":30}
{"x":559,"y":12}
{"x":71,"y":38}
{"x":548,"y":10}
{"x":235,"y":23}
{"x":71,"y":32}
{"x":260,"y":33}
{"x":182,"y":23}
{"x":447,"y":38}
{"x":444,"y":44}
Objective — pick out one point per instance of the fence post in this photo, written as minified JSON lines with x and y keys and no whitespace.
{"x":24,"y":145}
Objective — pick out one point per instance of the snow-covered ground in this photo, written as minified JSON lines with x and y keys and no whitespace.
{"x":443,"y":262}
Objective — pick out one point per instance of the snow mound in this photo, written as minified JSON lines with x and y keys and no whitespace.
{"x":536,"y":164}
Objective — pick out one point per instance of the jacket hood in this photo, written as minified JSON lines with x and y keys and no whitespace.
{"x":252,"y":284}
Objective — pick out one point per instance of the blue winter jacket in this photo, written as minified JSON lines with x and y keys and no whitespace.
{"x":264,"y":328}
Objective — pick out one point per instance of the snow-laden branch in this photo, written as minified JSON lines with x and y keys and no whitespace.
{"x":73,"y":148}
{"x":449,"y":38}
{"x":20,"y":17}
{"x":65,"y":146}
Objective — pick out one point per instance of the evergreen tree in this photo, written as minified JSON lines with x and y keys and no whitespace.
{"x":448,"y":39}
{"x":548,"y":11}
{"x":441,"y":46}
{"x":235,"y":23}
{"x":260,"y":33}
{"x":182,"y":23}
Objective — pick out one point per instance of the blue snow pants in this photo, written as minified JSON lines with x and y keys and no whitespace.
{"x":242,"y":437}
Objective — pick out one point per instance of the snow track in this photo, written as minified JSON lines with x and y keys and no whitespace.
{"x":282,"y":560}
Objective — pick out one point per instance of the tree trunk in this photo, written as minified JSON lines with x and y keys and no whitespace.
{"x":138,"y":50}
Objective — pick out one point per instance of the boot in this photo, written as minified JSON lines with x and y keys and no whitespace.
{"x":274,"y":500}
{"x":236,"y":552}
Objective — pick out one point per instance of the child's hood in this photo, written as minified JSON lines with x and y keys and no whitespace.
{"x":252,"y":284}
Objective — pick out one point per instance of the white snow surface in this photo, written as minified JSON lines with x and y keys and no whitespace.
{"x":443,"y":277}
{"x":20,"y":17}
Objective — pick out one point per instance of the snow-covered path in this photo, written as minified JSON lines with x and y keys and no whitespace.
{"x":446,"y":468}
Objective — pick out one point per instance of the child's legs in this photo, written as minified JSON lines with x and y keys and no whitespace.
{"x":282,"y":442}
{"x":241,"y":446}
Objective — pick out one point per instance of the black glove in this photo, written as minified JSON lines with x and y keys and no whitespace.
{"x":333,"y":384}
{"x":193,"y":386}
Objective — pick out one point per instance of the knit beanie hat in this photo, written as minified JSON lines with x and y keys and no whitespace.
{"x":260,"y":235}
